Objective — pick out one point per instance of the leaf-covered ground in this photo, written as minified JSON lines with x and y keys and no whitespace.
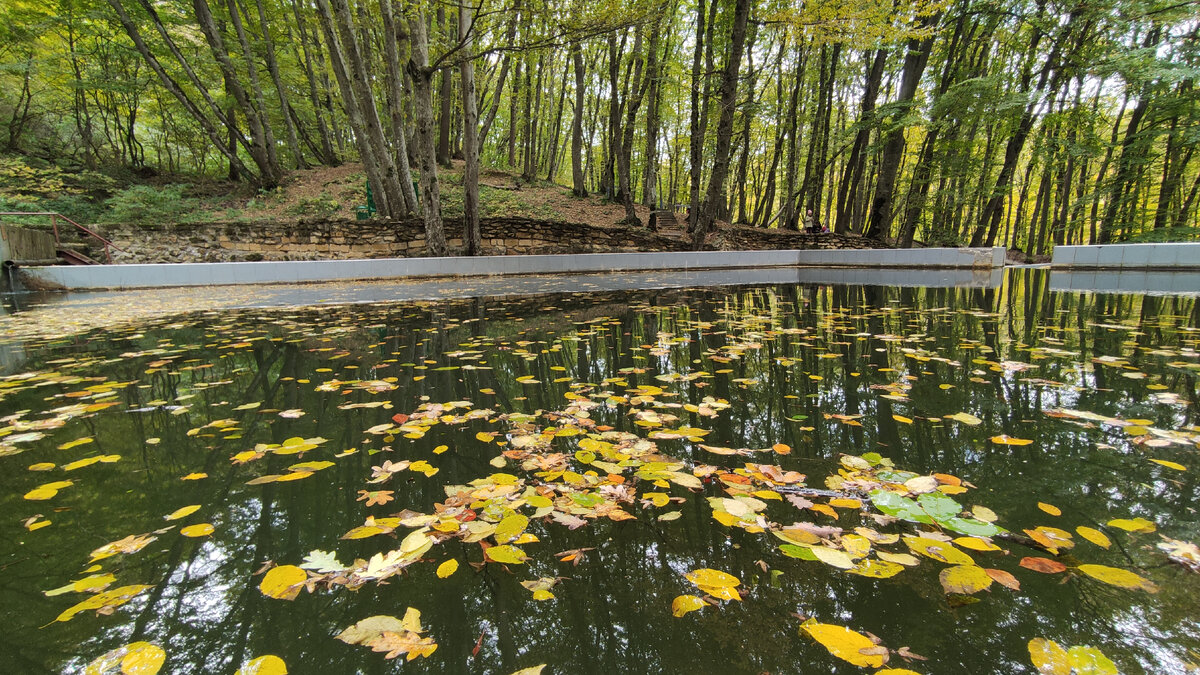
{"x":763,"y":479}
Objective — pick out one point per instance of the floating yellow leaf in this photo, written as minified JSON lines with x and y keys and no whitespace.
{"x":264,"y":665}
{"x":194,"y":476}
{"x":876,"y":569}
{"x":833,"y":557}
{"x":965,"y":418}
{"x":984,"y":513}
{"x":283,"y":582}
{"x":506,"y":554}
{"x":1004,"y":439}
{"x":1091,"y":661}
{"x":510,"y":527}
{"x":938,"y":550}
{"x":712,"y":578}
{"x":197,"y":530}
{"x":88,"y":461}
{"x":845,"y":503}
{"x":1048,"y":657}
{"x":532,"y":670}
{"x":447,"y":568}
{"x":364,"y":531}
{"x":130,"y":544}
{"x":686,"y":603}
{"x":902,"y":419}
{"x":104,"y":601}
{"x":1095,"y":536}
{"x":976,"y":544}
{"x":421,"y":466}
{"x":1050,"y":508}
{"x":964,"y":579}
{"x":76,"y":443}
{"x":41,"y":466}
{"x":1169,"y":465}
{"x":847,"y":644}
{"x":182,"y":512}
{"x":1134,"y":525}
{"x":47,"y":491}
{"x":1116,"y":576}
{"x":136,"y":658}
{"x":899,"y":558}
{"x":373,"y":626}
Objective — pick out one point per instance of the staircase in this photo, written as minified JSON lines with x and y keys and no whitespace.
{"x":666,"y":221}
{"x":75,"y":245}
{"x":74,"y":253}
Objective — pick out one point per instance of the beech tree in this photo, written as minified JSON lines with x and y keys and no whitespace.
{"x":914,"y":122}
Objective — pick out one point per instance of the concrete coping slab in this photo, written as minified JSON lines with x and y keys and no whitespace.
{"x":1165,"y":256}
{"x":268,"y":272}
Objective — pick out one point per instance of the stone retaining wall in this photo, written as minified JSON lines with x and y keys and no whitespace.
{"x":344,"y":240}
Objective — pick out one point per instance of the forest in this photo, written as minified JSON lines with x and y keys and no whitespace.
{"x":1025,"y":124}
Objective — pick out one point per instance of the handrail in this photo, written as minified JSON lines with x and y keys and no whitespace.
{"x":54,"y":216}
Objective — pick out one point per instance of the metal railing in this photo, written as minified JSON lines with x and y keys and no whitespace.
{"x":55,"y":217}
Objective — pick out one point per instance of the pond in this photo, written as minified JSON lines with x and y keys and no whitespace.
{"x":740,"y":479}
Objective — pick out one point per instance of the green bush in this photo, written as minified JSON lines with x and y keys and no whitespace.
{"x":149,"y":205}
{"x":322,"y":205}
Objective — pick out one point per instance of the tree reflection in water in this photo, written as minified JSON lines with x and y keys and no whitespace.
{"x":825,"y":370}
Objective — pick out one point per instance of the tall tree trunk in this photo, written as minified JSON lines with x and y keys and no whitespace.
{"x":650,"y":171}
{"x":638,"y":86}
{"x":210,"y":129}
{"x":787,"y":212}
{"x":261,"y":151}
{"x":395,"y":35}
{"x":514,"y":100}
{"x":422,"y":78}
{"x":852,"y":177}
{"x":472,"y":242}
{"x":747,"y":117}
{"x":696,"y":143}
{"x":562,"y":100}
{"x":578,"y":180}
{"x":338,"y":59}
{"x":1051,"y":75}
{"x":815,"y":165}
{"x":613,"y":133}
{"x":510,"y":37}
{"x":285,"y":108}
{"x":728,"y":90}
{"x":445,"y":114}
{"x":915,"y":59}
{"x":328,"y":155}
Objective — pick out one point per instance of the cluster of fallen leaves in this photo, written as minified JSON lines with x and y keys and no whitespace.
{"x":560,"y":467}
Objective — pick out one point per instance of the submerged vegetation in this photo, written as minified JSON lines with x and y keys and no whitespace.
{"x":783,"y":479}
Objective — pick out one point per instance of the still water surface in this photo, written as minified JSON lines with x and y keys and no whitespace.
{"x":814,"y":371}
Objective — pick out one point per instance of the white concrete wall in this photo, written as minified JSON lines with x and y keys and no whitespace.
{"x":1152,"y":256}
{"x":206,"y":274}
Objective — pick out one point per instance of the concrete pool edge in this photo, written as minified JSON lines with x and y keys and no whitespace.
{"x":172,"y":275}
{"x":1176,"y":256}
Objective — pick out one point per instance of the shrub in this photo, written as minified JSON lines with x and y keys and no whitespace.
{"x":147,"y":205}
{"x":322,"y":205}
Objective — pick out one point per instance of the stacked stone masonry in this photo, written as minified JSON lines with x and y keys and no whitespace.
{"x":345,"y":240}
